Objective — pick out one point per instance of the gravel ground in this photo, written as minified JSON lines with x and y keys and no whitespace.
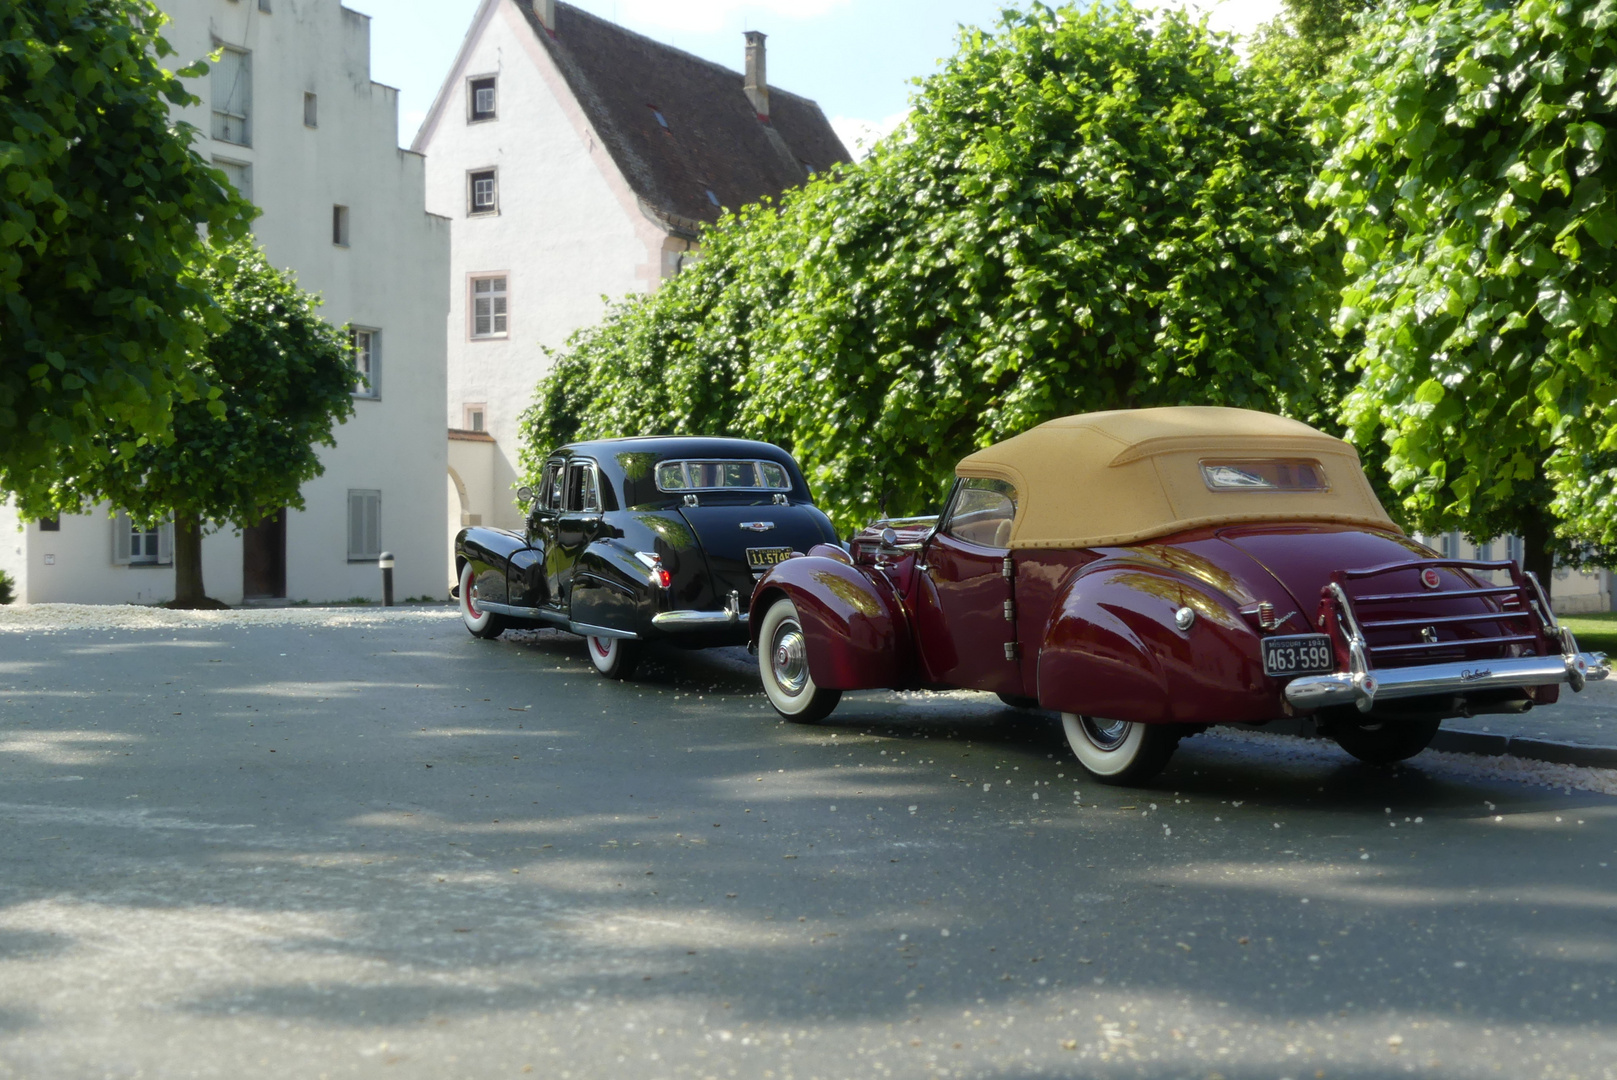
{"x":736,"y":663}
{"x":45,"y":618}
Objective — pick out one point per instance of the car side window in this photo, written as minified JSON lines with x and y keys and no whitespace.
{"x":582,"y":496}
{"x":550,"y":488}
{"x":982,"y":512}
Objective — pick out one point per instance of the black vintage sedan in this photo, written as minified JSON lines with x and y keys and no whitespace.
{"x":637,"y":540}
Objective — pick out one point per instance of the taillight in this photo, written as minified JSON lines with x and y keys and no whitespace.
{"x":660,"y":576}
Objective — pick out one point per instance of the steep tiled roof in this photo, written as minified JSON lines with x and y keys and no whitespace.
{"x":630,"y":87}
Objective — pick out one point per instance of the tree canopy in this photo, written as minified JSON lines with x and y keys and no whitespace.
{"x":101,"y":197}
{"x":1087,"y":209}
{"x":284,"y":377}
{"x":1466,"y":145}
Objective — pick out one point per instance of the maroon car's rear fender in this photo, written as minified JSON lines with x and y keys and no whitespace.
{"x":857,"y":635}
{"x":1112,"y":650}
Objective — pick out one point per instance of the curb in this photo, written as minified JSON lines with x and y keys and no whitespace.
{"x":1483,"y":744}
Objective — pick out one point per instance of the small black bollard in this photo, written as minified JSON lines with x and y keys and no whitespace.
{"x":385,"y":561}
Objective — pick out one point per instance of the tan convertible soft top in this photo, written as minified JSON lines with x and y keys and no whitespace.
{"x":1120,"y":477}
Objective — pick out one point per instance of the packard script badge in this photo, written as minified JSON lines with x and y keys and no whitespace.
{"x":1429,"y":578}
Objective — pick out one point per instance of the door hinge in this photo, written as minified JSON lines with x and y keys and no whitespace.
{"x":1010,"y":611}
{"x":1013,"y":650}
{"x":1007,"y":569}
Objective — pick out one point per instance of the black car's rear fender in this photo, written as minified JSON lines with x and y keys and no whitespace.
{"x":613,"y":588}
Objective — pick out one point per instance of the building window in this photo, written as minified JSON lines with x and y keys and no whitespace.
{"x":135,"y":546}
{"x":488,"y":307}
{"x":264,"y":6}
{"x":339,"y":226}
{"x":482,"y":99}
{"x":239,"y":175}
{"x":367,"y":349}
{"x":364,"y":525}
{"x":51,"y":524}
{"x":484,"y":194}
{"x":231,"y":87}
{"x":475,"y":418}
{"x":311,"y":110}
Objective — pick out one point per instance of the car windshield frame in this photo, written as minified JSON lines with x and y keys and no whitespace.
{"x":759,"y":465}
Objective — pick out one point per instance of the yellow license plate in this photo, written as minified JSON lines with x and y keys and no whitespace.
{"x":764,"y":558}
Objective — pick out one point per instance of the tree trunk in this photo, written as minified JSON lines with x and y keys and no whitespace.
{"x":188,"y":591}
{"x":1536,"y":557}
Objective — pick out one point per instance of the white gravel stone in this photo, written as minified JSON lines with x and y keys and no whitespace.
{"x":50,"y":618}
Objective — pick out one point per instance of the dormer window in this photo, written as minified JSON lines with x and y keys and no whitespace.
{"x":661,"y":119}
{"x":482,"y":99}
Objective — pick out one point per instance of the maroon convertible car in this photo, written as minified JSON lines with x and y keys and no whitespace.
{"x":1147,"y":573}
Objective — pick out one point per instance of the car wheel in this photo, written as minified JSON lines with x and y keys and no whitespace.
{"x":1016,"y":701}
{"x":613,"y":657}
{"x":783,"y":663}
{"x":1118,"y":751}
{"x":1386,"y":742}
{"x":483,"y":624}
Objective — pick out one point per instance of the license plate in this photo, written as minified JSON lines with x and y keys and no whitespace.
{"x":1298,"y":654}
{"x":764,"y":558}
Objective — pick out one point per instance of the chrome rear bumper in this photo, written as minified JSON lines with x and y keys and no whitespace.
{"x":675,"y":622}
{"x":1365,"y":688}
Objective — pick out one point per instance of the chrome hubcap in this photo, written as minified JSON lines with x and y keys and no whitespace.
{"x":1105,"y":734}
{"x":788,"y":659}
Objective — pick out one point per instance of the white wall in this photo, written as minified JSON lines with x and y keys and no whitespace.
{"x":568,"y":231}
{"x":391,"y":276}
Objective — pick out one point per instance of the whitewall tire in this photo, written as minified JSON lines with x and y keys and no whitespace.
{"x":483,"y":624}
{"x":613,"y":657}
{"x":783,"y":665}
{"x":1117,"y":751}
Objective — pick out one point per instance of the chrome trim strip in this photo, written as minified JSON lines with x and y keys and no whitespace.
{"x":545,"y":615}
{"x":586,"y":630}
{"x":1340,"y":688}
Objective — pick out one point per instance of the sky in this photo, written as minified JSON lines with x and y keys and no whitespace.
{"x":857,"y":58}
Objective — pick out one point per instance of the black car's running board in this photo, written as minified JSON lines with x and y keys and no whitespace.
{"x":555,"y":619}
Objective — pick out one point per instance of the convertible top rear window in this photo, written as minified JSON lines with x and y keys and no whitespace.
{"x":716,"y":475}
{"x":1276,"y":474}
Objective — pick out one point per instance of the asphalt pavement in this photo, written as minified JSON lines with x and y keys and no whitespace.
{"x":396,"y":851}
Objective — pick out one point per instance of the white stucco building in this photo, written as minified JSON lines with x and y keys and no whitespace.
{"x":577,"y":161}
{"x":290,"y":113}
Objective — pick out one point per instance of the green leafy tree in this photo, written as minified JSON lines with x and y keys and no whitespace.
{"x":1467,"y":145}
{"x":101,"y":197}
{"x":284,"y":378}
{"x":1309,"y":34}
{"x":1087,"y":209}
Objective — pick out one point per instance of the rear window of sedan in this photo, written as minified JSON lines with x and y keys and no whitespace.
{"x":710,"y":475}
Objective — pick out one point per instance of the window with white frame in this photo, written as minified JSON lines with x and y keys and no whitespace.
{"x":484,"y":193}
{"x":481,"y":94}
{"x":476,"y":418}
{"x":488,"y":307}
{"x":134,"y":545}
{"x":364,"y":525}
{"x":339,"y":226}
{"x":230,"y":84}
{"x":366,"y":346}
